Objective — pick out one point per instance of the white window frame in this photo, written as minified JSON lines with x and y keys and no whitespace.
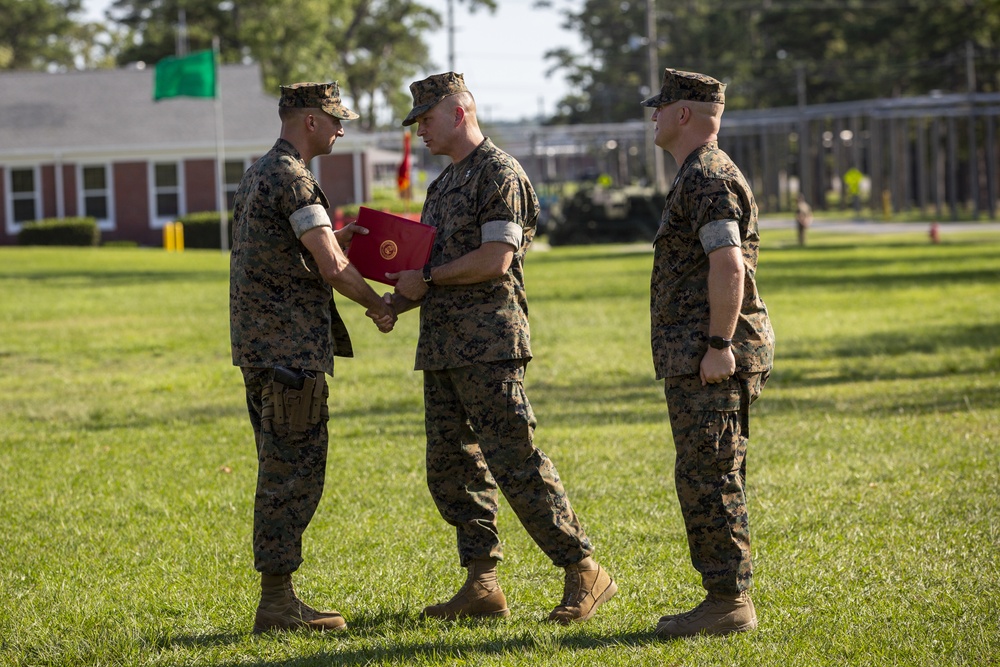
{"x":9,"y":196}
{"x":108,"y":223}
{"x":157,"y":221}
{"x":230,"y":188}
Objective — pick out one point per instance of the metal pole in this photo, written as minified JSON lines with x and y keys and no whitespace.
{"x":220,"y":153}
{"x":805,"y":182}
{"x":658,"y":170}
{"x":451,"y":35}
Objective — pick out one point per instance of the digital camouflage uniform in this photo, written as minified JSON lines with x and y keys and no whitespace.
{"x":473,"y":348}
{"x":710,"y":424}
{"x":282,"y":313}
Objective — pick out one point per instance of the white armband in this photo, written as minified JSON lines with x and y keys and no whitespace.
{"x":720,"y":234}
{"x":308,"y":218}
{"x":504,"y":232}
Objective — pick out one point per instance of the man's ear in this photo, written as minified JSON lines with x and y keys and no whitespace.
{"x":459,"y":115}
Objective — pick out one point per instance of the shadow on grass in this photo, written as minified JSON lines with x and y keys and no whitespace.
{"x":100,"y":278}
{"x":404,"y":652}
{"x":916,"y":402}
{"x":604,"y":251}
{"x":638,"y":400}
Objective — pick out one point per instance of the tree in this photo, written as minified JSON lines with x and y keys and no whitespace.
{"x":383,"y":49}
{"x":33,"y":32}
{"x":370,"y":46}
{"x":841,"y":49}
{"x":154,"y":24}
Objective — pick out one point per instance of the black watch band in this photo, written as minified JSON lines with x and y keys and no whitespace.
{"x":719,"y":343}
{"x":427,"y":275}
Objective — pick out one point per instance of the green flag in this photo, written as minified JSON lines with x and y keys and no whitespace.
{"x":191,"y":76}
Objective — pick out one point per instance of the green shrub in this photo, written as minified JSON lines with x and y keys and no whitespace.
{"x":390,"y":205}
{"x":61,"y":232}
{"x":201,"y":230}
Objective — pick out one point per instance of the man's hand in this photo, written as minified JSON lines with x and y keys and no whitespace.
{"x":347,"y":232}
{"x":717,"y":366}
{"x":384,"y":316}
{"x":410,"y":284}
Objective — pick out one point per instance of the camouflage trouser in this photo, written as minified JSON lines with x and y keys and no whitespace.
{"x":291,"y":467}
{"x":710,"y":425}
{"x":479,"y":437}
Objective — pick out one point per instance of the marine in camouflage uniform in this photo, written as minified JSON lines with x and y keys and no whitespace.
{"x":473,"y":349}
{"x":283,"y":316}
{"x":710,"y":209}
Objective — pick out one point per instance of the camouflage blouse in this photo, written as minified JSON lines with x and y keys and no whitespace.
{"x":281,"y":311}
{"x":708,"y":188}
{"x":462,"y":325}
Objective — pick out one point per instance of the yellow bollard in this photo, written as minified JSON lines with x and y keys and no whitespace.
{"x":886,"y":205}
{"x":168,"y":237}
{"x":179,"y":236}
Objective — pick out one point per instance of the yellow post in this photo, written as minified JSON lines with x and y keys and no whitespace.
{"x":179,"y":236}
{"x":168,"y":237}
{"x":886,"y":205}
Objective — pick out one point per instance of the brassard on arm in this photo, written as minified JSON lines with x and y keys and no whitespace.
{"x":720,"y":234}
{"x":503,"y":231}
{"x":309,"y":217}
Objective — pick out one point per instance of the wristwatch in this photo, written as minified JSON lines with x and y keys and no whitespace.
{"x":427,"y":275}
{"x":719,"y":343}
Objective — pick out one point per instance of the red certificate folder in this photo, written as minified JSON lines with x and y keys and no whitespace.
{"x":392,"y":244}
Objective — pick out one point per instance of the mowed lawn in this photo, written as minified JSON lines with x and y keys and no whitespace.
{"x":127,"y":469}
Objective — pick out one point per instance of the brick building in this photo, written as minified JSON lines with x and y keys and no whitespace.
{"x":95,"y":143}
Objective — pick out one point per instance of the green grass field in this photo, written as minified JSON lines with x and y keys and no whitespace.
{"x":127,"y":469}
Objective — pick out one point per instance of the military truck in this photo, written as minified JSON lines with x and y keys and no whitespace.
{"x":602,"y":214}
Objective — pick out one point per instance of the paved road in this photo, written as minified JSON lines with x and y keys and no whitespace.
{"x":875,"y":227}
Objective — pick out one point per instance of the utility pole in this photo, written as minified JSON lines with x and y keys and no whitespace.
{"x":182,"y":33}
{"x":451,"y":35}
{"x":805,"y":180}
{"x":656,"y":153}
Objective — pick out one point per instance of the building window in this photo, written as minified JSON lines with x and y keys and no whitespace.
{"x":234,"y":170}
{"x":23,"y":195}
{"x":96,"y":194}
{"x":167,"y":199}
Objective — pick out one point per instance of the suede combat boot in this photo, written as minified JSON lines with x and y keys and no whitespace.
{"x":479,"y":597}
{"x":586,"y":588}
{"x":280,"y":609}
{"x":716,"y":615}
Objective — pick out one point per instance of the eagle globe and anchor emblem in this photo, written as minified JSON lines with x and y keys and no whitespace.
{"x":388,"y":249}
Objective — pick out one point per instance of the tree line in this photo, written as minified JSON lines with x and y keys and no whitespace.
{"x":771,"y":52}
{"x":776,"y":53}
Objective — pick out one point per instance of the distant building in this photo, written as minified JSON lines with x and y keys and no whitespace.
{"x":95,"y":143}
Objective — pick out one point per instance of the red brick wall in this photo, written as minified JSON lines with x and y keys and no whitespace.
{"x":4,"y":238}
{"x":48,"y":190}
{"x":70,"y":190}
{"x":131,"y":181}
{"x":336,"y":177}
{"x":199,"y":185}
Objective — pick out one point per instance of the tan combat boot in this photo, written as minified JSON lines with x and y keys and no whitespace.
{"x":716,"y":615}
{"x":587,"y":587}
{"x":479,"y":597}
{"x":280,"y":609}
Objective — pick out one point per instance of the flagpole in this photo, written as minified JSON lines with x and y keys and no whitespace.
{"x":220,"y":153}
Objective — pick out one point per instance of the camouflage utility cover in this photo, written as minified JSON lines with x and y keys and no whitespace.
{"x":428,"y":92}
{"x":468,"y":324}
{"x":678,"y":85}
{"x":281,"y":310}
{"x":325,"y":96}
{"x":708,"y":188}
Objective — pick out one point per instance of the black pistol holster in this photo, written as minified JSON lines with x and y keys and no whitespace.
{"x":297,"y":398}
